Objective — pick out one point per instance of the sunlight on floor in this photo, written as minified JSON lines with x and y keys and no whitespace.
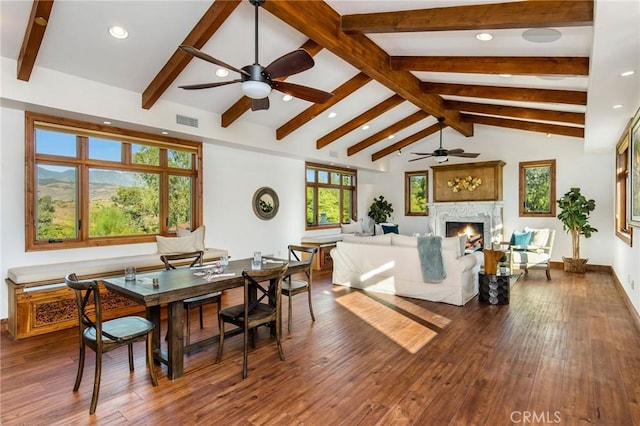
{"x":413,"y":308}
{"x":407,"y":333}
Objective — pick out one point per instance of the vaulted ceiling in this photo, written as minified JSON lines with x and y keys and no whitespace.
{"x":395,"y":66}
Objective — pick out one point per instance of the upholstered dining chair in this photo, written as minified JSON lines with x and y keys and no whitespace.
{"x":291,"y":286}
{"x":104,"y":336}
{"x":195,"y":257}
{"x":254,"y":311}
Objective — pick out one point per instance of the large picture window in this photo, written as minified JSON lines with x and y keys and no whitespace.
{"x":330,"y":196}
{"x":416,"y":196}
{"x":623,"y":230}
{"x":91,"y":185}
{"x":538,"y":188}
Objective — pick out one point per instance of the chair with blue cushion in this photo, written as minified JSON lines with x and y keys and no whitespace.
{"x":104,"y":336}
{"x":531,"y":249}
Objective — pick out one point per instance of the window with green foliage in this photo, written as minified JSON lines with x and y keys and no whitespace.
{"x":330,"y":196}
{"x":93,"y":185}
{"x":538,"y":188}
{"x":416,"y":195}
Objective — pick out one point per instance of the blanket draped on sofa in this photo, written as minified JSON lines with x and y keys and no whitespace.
{"x":430,"y":251}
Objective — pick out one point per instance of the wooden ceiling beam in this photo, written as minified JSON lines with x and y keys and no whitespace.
{"x":360,"y":120}
{"x":206,"y":27}
{"x":519,"y":112}
{"x":339,"y":94}
{"x":385,"y":133}
{"x":517,"y":65}
{"x":405,"y":142}
{"x":243,"y":104}
{"x":321,"y":23}
{"x":555,"y":129}
{"x":523,"y":14}
{"x":572,"y":97}
{"x":33,"y":36}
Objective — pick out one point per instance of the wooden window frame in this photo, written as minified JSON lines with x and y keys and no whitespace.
{"x":315,"y":185}
{"x":407,"y":192}
{"x":623,"y":159}
{"x":35,"y":121}
{"x":522,"y":191}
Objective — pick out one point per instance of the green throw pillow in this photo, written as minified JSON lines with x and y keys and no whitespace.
{"x":390,"y":229}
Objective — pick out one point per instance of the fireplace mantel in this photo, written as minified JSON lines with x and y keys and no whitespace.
{"x":489,"y":213}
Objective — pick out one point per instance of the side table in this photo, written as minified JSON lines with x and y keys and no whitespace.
{"x":493,"y":289}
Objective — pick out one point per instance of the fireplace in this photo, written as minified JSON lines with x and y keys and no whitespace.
{"x":473,"y":230}
{"x":487,"y":215}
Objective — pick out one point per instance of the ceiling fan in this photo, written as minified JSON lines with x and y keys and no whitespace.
{"x":257,"y":81}
{"x":441,"y":155}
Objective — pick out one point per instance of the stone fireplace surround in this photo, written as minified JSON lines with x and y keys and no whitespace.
{"x":489,"y":213}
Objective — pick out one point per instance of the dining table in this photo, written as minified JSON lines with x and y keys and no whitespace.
{"x":173,"y":286}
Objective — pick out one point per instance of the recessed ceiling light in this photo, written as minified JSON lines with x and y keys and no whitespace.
{"x":627,"y":73}
{"x":164,"y":132}
{"x":106,"y":122}
{"x":332,"y":114}
{"x":551,"y":77}
{"x":484,"y":36}
{"x":118,"y":32}
{"x":541,"y":35}
{"x":365,"y":127}
{"x":617,"y":106}
{"x":221,"y":72}
{"x":548,"y":135}
{"x":505,"y":75}
{"x":391,"y":136}
{"x":287,"y":98}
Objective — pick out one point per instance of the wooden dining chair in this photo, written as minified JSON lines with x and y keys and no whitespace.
{"x":254,"y":311}
{"x":195,"y":257}
{"x":104,"y":336}
{"x":291,"y":287}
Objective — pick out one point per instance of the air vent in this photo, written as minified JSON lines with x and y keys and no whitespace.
{"x":333,"y":154}
{"x":186,"y":121}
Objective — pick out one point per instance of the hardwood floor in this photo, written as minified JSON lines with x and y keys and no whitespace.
{"x":564,"y":351}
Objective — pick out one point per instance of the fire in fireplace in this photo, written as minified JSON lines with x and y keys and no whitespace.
{"x":473,"y":230}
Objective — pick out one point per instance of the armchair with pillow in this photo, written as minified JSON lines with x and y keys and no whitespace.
{"x":531,"y":249}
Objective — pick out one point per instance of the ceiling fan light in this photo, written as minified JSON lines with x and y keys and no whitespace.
{"x":255,"y":89}
{"x":441,"y":158}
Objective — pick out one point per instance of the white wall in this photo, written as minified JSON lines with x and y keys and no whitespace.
{"x":593,"y":173}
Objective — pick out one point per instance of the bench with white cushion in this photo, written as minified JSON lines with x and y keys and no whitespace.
{"x":40,"y":302}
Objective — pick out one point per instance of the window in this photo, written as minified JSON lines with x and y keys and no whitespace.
{"x":93,"y":186}
{"x":538,"y":188}
{"x":623,"y":230}
{"x":330,"y":196}
{"x":416,"y":194}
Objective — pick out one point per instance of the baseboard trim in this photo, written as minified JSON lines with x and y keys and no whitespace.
{"x":632,"y":310}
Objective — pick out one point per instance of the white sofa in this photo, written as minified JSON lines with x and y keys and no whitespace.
{"x":390,"y":264}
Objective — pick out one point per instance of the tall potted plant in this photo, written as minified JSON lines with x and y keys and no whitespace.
{"x":380,"y":210}
{"x":575,"y":211}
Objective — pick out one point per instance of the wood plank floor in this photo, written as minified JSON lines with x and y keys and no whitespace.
{"x":565,"y":351}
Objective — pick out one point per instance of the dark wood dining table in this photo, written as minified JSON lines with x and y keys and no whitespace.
{"x":174,"y":286}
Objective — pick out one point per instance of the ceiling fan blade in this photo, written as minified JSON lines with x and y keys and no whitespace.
{"x":198,"y":54}
{"x":456,"y":151}
{"x":303,"y":92}
{"x":423,"y":153}
{"x":420,"y":158}
{"x":258,"y":104}
{"x":289,"y":64}
{"x":465,"y":154}
{"x":208,"y":85}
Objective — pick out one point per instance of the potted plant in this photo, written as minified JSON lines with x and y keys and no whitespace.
{"x":380,"y":210}
{"x":575,"y":210}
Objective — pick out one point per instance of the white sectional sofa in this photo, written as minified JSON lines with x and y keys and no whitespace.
{"x":390,"y":264}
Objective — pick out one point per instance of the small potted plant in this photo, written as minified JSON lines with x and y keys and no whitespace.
{"x":575,"y":211}
{"x":380,"y":210}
